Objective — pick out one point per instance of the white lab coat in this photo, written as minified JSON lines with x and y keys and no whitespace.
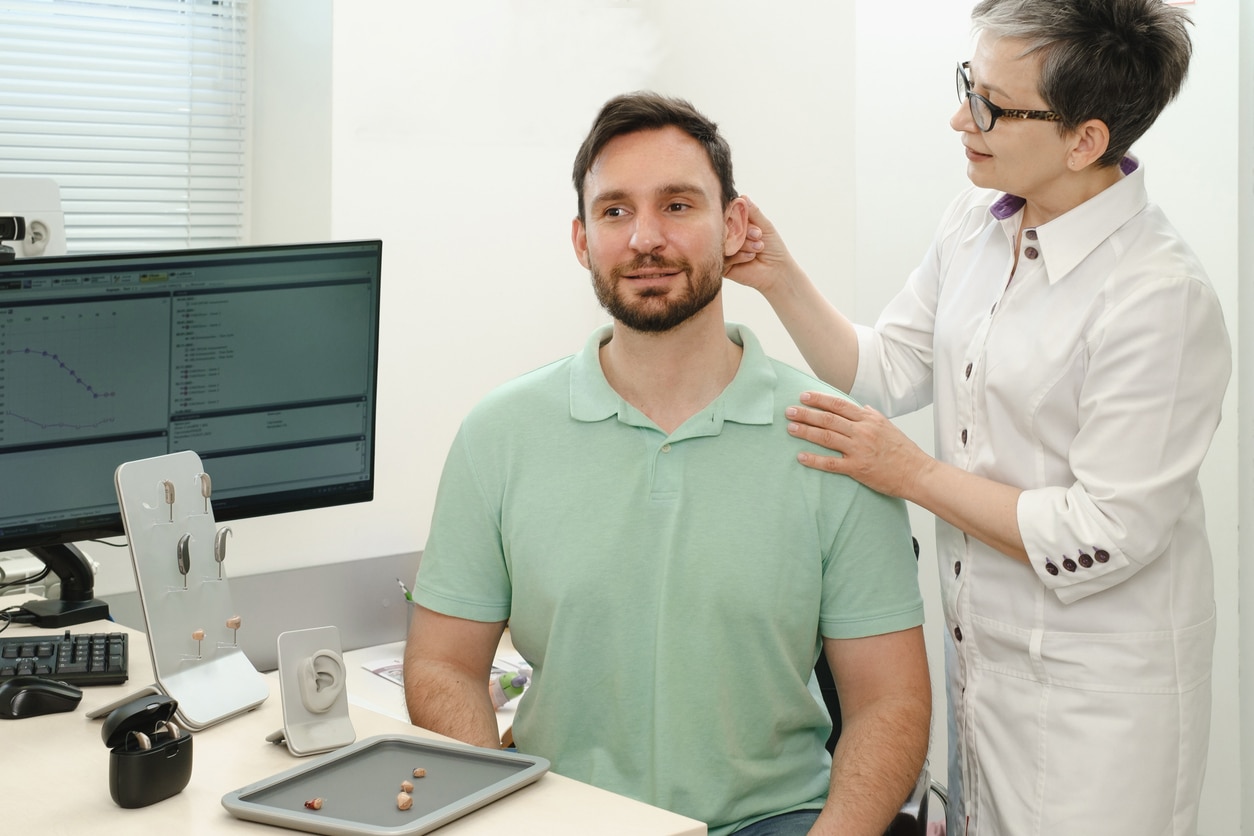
{"x":1079,"y":688}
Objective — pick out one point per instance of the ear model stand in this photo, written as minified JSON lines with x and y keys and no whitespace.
{"x":315,"y":699}
{"x":180,"y":570}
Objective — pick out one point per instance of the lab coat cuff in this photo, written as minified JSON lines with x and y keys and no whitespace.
{"x":1072,"y":562}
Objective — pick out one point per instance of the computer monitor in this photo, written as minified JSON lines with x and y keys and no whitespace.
{"x":260,"y":359}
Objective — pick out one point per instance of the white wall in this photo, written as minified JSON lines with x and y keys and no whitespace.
{"x":451,"y":132}
{"x":1244,"y":427}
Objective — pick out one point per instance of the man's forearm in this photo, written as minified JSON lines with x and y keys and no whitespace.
{"x":441,"y":698}
{"x":877,"y":762}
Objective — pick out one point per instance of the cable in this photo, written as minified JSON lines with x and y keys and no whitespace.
{"x":27,"y":581}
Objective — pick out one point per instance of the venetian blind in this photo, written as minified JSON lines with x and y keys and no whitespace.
{"x":137,"y":109}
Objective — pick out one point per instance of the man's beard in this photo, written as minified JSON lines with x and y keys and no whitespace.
{"x":658,"y":310}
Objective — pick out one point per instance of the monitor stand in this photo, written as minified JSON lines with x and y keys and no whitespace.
{"x":77,"y":603}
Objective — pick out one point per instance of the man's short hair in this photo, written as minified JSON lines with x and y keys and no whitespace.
{"x":1120,"y":61}
{"x":644,"y":111}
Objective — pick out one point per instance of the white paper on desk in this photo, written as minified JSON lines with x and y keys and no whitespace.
{"x":392,"y":668}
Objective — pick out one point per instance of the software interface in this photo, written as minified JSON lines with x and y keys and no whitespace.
{"x":262,"y":361}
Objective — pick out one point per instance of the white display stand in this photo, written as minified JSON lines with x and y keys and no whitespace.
{"x":313,"y":687}
{"x":181,"y":572}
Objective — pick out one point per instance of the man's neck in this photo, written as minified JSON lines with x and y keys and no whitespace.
{"x":673,"y":375}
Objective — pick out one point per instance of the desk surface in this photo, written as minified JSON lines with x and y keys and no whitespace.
{"x":383,"y":696}
{"x":55,"y":777}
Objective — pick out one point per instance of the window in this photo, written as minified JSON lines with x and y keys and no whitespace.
{"x":137,"y":109}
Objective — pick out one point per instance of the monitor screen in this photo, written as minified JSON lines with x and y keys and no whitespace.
{"x":260,"y":359}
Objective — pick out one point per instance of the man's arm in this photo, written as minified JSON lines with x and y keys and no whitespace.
{"x":447,"y":665}
{"x":886,"y":707}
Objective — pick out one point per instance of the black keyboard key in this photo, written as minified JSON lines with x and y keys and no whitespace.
{"x":77,"y":658}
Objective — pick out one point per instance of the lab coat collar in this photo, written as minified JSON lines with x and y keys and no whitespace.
{"x":1071,"y":237}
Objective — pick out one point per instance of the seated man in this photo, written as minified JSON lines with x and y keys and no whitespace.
{"x":637,"y":514}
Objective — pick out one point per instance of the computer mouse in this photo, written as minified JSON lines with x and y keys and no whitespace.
{"x":31,"y":696}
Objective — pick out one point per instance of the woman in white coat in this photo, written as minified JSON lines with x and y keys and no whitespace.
{"x":1076,"y":357}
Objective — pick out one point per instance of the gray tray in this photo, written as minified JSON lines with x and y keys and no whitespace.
{"x":359,"y":784}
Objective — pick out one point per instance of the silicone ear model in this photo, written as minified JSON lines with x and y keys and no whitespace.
{"x":321,"y":680}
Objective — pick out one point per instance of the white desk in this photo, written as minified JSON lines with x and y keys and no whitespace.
{"x":54,"y":771}
{"x":382,"y":696}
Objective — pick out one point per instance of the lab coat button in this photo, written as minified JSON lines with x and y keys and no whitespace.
{"x":957,"y":568}
{"x":1051,"y":568}
{"x":967,"y":373}
{"x":1101,"y":555}
{"x":964,"y":438}
{"x":1086,"y":560}
{"x":1069,"y":564}
{"x":1031,"y":252}
{"x":1030,"y":234}
{"x":958,"y":633}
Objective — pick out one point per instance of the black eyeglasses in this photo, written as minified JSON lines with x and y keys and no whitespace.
{"x":985,"y":113}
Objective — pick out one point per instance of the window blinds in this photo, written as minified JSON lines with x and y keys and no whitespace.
{"x":137,"y":109}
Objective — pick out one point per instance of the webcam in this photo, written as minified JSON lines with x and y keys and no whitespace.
{"x":12,"y":228}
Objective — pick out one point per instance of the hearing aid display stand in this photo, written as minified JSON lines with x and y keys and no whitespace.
{"x":312,"y":681}
{"x":180,"y":564}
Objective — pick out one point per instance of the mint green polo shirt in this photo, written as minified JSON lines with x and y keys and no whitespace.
{"x":669,"y":591}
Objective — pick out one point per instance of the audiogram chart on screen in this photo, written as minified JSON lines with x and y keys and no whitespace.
{"x":57,"y":384}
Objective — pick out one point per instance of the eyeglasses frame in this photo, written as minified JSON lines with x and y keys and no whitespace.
{"x":965,"y":93}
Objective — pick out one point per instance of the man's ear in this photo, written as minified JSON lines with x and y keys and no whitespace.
{"x":1089,"y":142}
{"x":736,"y":226}
{"x":579,"y":238}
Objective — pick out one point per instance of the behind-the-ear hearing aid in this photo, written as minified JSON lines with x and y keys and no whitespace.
{"x":184,"y":553}
{"x":141,"y":740}
{"x":219,"y":547}
{"x":206,"y":488}
{"x":167,"y":494}
{"x":321,"y":680}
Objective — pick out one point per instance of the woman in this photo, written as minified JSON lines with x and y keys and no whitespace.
{"x":1076,"y":358}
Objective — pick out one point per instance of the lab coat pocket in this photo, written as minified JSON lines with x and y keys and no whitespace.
{"x":1159,"y":662}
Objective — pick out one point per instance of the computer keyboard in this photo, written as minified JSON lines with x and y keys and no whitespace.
{"x":77,"y":658}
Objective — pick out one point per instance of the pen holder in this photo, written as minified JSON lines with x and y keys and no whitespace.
{"x":150,"y":758}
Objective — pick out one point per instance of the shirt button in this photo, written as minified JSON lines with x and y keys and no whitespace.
{"x":957,"y":568}
{"x":958,"y":633}
{"x":1030,"y":233}
{"x":1086,"y":560}
{"x":1031,"y":252}
{"x":1101,"y":555}
{"x":967,"y":373}
{"x":964,"y":438}
{"x":666,"y":448}
{"x":1051,"y":568}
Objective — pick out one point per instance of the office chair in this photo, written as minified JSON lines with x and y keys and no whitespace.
{"x":911,"y":819}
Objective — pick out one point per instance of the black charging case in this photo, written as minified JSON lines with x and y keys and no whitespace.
{"x":140,"y":776}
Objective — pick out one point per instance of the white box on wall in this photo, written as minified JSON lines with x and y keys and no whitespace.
{"x":37,"y":200}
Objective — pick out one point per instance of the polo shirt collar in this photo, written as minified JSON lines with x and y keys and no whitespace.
{"x":748,"y":399}
{"x":1070,"y":238}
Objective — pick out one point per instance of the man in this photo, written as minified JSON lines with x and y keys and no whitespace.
{"x":636,"y":513}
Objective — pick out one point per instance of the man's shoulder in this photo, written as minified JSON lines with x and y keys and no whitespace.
{"x":538,"y":388}
{"x":792,"y":381}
